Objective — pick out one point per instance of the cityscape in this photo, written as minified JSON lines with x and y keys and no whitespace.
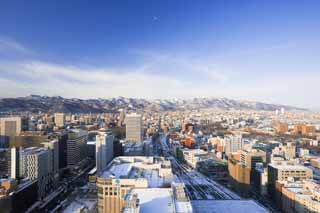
{"x":159,"y":106}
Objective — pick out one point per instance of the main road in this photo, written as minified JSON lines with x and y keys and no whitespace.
{"x":198,"y":186}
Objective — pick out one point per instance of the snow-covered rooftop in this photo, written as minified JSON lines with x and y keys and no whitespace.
{"x":228,"y":206}
{"x":155,"y":200}
{"x":118,"y":170}
{"x":80,"y":205}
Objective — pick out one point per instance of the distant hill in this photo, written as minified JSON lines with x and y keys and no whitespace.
{"x":35,"y":103}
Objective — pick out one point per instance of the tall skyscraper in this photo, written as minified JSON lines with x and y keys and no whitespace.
{"x":59,"y":119}
{"x":15,"y":163}
{"x":10,"y":126}
{"x":76,"y":146}
{"x":104,"y":149}
{"x":134,"y":127}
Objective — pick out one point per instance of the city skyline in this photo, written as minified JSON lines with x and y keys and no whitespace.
{"x":248,"y":50}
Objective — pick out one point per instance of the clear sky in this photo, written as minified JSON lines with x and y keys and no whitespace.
{"x":265,"y":50}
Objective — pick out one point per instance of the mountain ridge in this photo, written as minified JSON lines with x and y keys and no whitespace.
{"x":36,"y":103}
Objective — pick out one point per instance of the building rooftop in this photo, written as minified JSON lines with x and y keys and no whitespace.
{"x":80,"y":205}
{"x":154,"y":200}
{"x":285,"y":165}
{"x":228,"y":206}
{"x":118,"y":171}
{"x":155,"y":171}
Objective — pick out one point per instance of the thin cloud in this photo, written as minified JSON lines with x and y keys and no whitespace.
{"x":10,"y":45}
{"x":157,"y":76}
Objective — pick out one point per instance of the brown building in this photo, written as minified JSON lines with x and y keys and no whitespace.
{"x":239,"y":174}
{"x":304,"y":129}
{"x":249,"y":158}
{"x":188,"y":142}
{"x":280,"y":128}
{"x":309,"y":130}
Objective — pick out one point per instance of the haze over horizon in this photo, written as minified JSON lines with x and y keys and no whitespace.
{"x":265,"y":51}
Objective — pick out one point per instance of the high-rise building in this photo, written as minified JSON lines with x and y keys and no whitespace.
{"x":53,"y":149}
{"x":239,"y":173}
{"x":234,"y":143}
{"x":15,"y":170}
{"x":104,"y":149}
{"x":59,"y":119}
{"x":38,"y":166}
{"x":289,"y":151}
{"x":249,"y":158}
{"x":4,"y":159}
{"x":62,"y":138}
{"x":134,"y":128}
{"x":121,"y":117}
{"x":76,"y":146}
{"x":10,"y":126}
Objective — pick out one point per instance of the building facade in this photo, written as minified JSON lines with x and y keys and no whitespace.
{"x":104,"y":149}
{"x":134,"y":128}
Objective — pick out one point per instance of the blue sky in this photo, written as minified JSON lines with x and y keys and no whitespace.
{"x":261,"y":50}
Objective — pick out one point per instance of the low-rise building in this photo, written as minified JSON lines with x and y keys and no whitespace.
{"x":284,"y":170}
{"x":124,"y":174}
{"x":298,"y":196}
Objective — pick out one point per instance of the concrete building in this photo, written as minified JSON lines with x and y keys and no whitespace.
{"x":124,"y":174}
{"x":281,"y":128}
{"x":249,"y":158}
{"x":10,"y":126}
{"x":134,"y":128}
{"x":21,"y":198}
{"x":59,"y":119}
{"x":38,"y":166}
{"x":298,"y":196}
{"x":239,"y":173}
{"x":304,"y":129}
{"x":15,"y":163}
{"x":259,"y":179}
{"x":121,"y":117}
{"x":193,"y":156}
{"x":4,"y":165}
{"x":233,"y":143}
{"x":53,"y":149}
{"x":170,"y":200}
{"x":284,"y":170}
{"x":287,"y":151}
{"x":76,"y":146}
{"x":104,"y":149}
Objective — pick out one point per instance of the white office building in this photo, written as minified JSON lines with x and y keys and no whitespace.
{"x":134,"y":128}
{"x":38,"y":166}
{"x":234,"y":143}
